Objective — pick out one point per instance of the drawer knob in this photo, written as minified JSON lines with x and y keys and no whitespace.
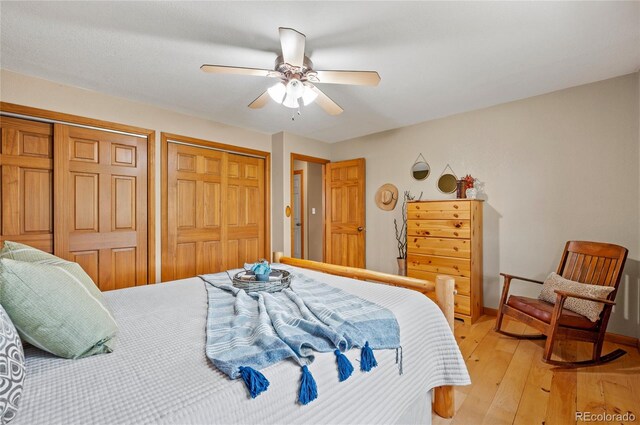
{"x":455,"y":215}
{"x":427,"y":233}
{"x":458,"y":225}
{"x":455,"y":248}
{"x":455,"y":233}
{"x":455,"y":206}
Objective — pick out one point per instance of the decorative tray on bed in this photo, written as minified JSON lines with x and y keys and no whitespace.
{"x":278,"y":280}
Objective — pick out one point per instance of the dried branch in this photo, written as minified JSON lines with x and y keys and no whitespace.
{"x":401,"y":233}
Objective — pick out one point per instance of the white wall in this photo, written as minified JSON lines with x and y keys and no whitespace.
{"x":35,"y":92}
{"x":560,"y":166}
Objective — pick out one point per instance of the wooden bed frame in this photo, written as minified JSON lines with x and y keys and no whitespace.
{"x":443,"y":403}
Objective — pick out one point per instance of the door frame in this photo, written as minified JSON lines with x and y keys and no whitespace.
{"x":302,"y":214}
{"x":164,"y":184}
{"x":44,"y":115}
{"x":316,"y":160}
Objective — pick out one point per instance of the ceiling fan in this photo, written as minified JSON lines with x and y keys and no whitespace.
{"x":297,"y":77}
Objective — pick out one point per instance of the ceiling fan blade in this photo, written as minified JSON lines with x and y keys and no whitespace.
{"x":292,"y":43}
{"x":238,"y":70}
{"x":325,"y":102}
{"x":358,"y":78}
{"x":260,"y":101}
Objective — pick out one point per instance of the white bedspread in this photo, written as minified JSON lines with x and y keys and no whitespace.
{"x":159,"y":373}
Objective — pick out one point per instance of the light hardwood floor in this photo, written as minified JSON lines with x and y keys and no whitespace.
{"x":511,"y":384}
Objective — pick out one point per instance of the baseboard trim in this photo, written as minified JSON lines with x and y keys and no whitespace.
{"x":490,"y":311}
{"x":611,"y":337}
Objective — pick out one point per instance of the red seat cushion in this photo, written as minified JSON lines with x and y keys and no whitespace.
{"x":542,"y":310}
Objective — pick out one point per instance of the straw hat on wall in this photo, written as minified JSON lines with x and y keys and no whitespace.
{"x":386,"y":197}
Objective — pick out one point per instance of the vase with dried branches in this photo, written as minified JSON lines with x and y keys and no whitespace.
{"x":401,"y":233}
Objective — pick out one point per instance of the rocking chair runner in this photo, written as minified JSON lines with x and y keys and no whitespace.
{"x":594,"y":263}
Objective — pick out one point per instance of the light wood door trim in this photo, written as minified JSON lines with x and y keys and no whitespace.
{"x":266,"y":188}
{"x":36,"y":113}
{"x":302,"y":213}
{"x":343,"y":225}
{"x":306,"y":158}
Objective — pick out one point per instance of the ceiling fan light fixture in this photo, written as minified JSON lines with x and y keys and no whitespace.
{"x":277,"y":92}
{"x":291,"y":102}
{"x":309,"y":95}
{"x":295,"y":88}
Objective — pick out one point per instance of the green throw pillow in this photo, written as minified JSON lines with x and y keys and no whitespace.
{"x":21,"y":252}
{"x":54,"y":311}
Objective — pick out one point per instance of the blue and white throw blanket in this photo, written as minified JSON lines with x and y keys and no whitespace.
{"x":247,"y":332}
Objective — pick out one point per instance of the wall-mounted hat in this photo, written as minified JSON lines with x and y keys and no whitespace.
{"x":386,"y":197}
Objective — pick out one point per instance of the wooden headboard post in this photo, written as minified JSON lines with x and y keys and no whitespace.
{"x":444,"y":287}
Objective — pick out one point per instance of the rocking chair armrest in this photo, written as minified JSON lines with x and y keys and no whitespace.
{"x":510,"y":276}
{"x":565,"y":294}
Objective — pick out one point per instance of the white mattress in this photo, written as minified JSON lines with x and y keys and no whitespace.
{"x":159,"y":373}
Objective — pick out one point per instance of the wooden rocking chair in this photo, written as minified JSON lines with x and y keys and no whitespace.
{"x":585,"y":262}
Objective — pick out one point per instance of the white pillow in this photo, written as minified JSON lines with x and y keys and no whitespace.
{"x":589,"y":309}
{"x":11,"y":368}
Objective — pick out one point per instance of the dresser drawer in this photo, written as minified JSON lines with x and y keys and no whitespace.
{"x":461,"y":303}
{"x":420,"y":213}
{"x":439,"y":205}
{"x":437,"y":246}
{"x":439,"y":265}
{"x":440,"y":228}
{"x":463,"y":284}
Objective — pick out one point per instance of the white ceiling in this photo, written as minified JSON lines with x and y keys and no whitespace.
{"x":435,"y":59}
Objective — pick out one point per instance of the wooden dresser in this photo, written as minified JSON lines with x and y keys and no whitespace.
{"x":445,"y":237}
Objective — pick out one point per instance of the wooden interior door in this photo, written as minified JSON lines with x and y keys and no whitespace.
{"x":215,"y":211}
{"x":26,"y":182}
{"x":244,"y":217}
{"x":101,"y":204}
{"x":194,"y":216}
{"x":345,"y":213}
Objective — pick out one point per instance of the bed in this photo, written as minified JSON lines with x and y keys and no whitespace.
{"x":160,"y":374}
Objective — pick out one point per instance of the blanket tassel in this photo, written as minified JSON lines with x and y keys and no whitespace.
{"x":367,"y":360}
{"x":399,"y":360}
{"x":345,"y":368}
{"x":308,"y":388}
{"x":255,"y":381}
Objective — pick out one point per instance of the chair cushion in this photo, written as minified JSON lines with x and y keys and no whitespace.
{"x":589,"y":309}
{"x":543,"y":310}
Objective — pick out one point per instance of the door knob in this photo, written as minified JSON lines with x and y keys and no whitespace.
{"x":360,"y":228}
{"x":298,"y":224}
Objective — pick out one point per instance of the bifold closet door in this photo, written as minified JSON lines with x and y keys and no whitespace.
{"x":26,"y":182}
{"x":245,"y":204}
{"x":194,"y":218}
{"x":215,"y":211}
{"x":101,"y":204}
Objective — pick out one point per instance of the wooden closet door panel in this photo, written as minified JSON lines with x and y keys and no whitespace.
{"x":194,"y":217}
{"x":102,"y":178}
{"x":26,"y":182}
{"x":245,"y":210}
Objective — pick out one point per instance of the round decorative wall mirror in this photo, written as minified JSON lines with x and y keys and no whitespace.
{"x":447,"y":181}
{"x":420,"y":169}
